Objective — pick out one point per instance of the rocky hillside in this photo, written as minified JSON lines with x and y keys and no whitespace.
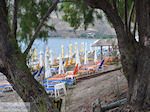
{"x":64,"y":29}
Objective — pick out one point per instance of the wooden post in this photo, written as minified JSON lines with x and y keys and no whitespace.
{"x":101,"y":52}
{"x":109,"y":51}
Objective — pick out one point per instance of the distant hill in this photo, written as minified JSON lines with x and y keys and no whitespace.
{"x":64,"y":30}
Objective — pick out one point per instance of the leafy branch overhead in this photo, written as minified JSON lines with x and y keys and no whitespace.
{"x":78,"y":14}
{"x":40,"y":25}
{"x":27,"y":15}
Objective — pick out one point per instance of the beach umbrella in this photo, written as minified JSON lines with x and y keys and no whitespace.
{"x":51,"y":57}
{"x":95,"y":56}
{"x":66,"y":64}
{"x":47,"y":51}
{"x":41,"y":59}
{"x":62,"y":47}
{"x":35,"y":54}
{"x":47,"y":66}
{"x":31,"y":52}
{"x":70,"y":50}
{"x":76,"y":45}
{"x":85,"y":58}
{"x":61,"y":68}
{"x":85,"y":47}
{"x":82,"y":47}
{"x":78,"y":59}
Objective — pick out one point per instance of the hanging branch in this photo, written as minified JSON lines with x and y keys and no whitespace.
{"x":15,"y":14}
{"x":54,"y":5}
{"x":125,"y":14}
{"x":3,"y":5}
{"x":134,"y":30}
{"x":130,"y":16}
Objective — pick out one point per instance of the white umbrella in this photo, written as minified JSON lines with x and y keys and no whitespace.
{"x":47,"y":66}
{"x":78,"y":59}
{"x":61,"y":68}
{"x":51,"y":57}
{"x":85,"y":58}
{"x":47,"y":51}
{"x":41,"y":59}
{"x":86,"y":46}
{"x":95,"y":56}
{"x":85,"y":55}
{"x":91,"y":48}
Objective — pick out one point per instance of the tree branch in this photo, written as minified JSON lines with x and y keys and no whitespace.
{"x":126,"y":14}
{"x":15,"y":14}
{"x":54,"y":5}
{"x":134,"y":30}
{"x":3,"y":5}
{"x":113,"y":17}
{"x":130,"y":16}
{"x":115,"y":6}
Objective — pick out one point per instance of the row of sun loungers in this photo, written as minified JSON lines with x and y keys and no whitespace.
{"x":58,"y":83}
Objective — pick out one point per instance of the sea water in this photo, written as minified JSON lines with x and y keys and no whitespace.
{"x":55,"y":44}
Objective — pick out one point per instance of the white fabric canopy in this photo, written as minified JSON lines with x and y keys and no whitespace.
{"x":51,"y":57}
{"x":95,"y":56}
{"x":85,"y":58}
{"x":61,"y":68}
{"x":41,"y":59}
{"x":47,"y":66}
{"x":78,"y":59}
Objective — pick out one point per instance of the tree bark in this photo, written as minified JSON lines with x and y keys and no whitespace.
{"x":140,"y":98}
{"x":135,"y":56}
{"x":13,"y":66}
{"x":15,"y":15}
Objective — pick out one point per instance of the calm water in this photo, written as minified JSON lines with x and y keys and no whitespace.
{"x":55,"y":45}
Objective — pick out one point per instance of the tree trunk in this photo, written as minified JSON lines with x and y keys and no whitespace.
{"x":135,"y":56}
{"x":12,"y":64}
{"x":139,"y":85}
{"x":140,"y":96}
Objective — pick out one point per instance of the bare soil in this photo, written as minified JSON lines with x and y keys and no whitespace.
{"x":108,"y":88}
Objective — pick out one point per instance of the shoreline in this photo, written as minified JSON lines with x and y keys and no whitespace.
{"x":72,"y":38}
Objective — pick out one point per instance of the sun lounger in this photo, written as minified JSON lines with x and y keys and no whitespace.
{"x":45,"y":85}
{"x":38,"y":72}
{"x":64,"y":80}
{"x":34,"y":74}
{"x":5,"y":86}
{"x":90,"y":68}
{"x":100,"y":66}
{"x":71,"y":79}
{"x":55,"y":88}
{"x":68,"y":80}
{"x":58,"y":87}
{"x":54,"y":70}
